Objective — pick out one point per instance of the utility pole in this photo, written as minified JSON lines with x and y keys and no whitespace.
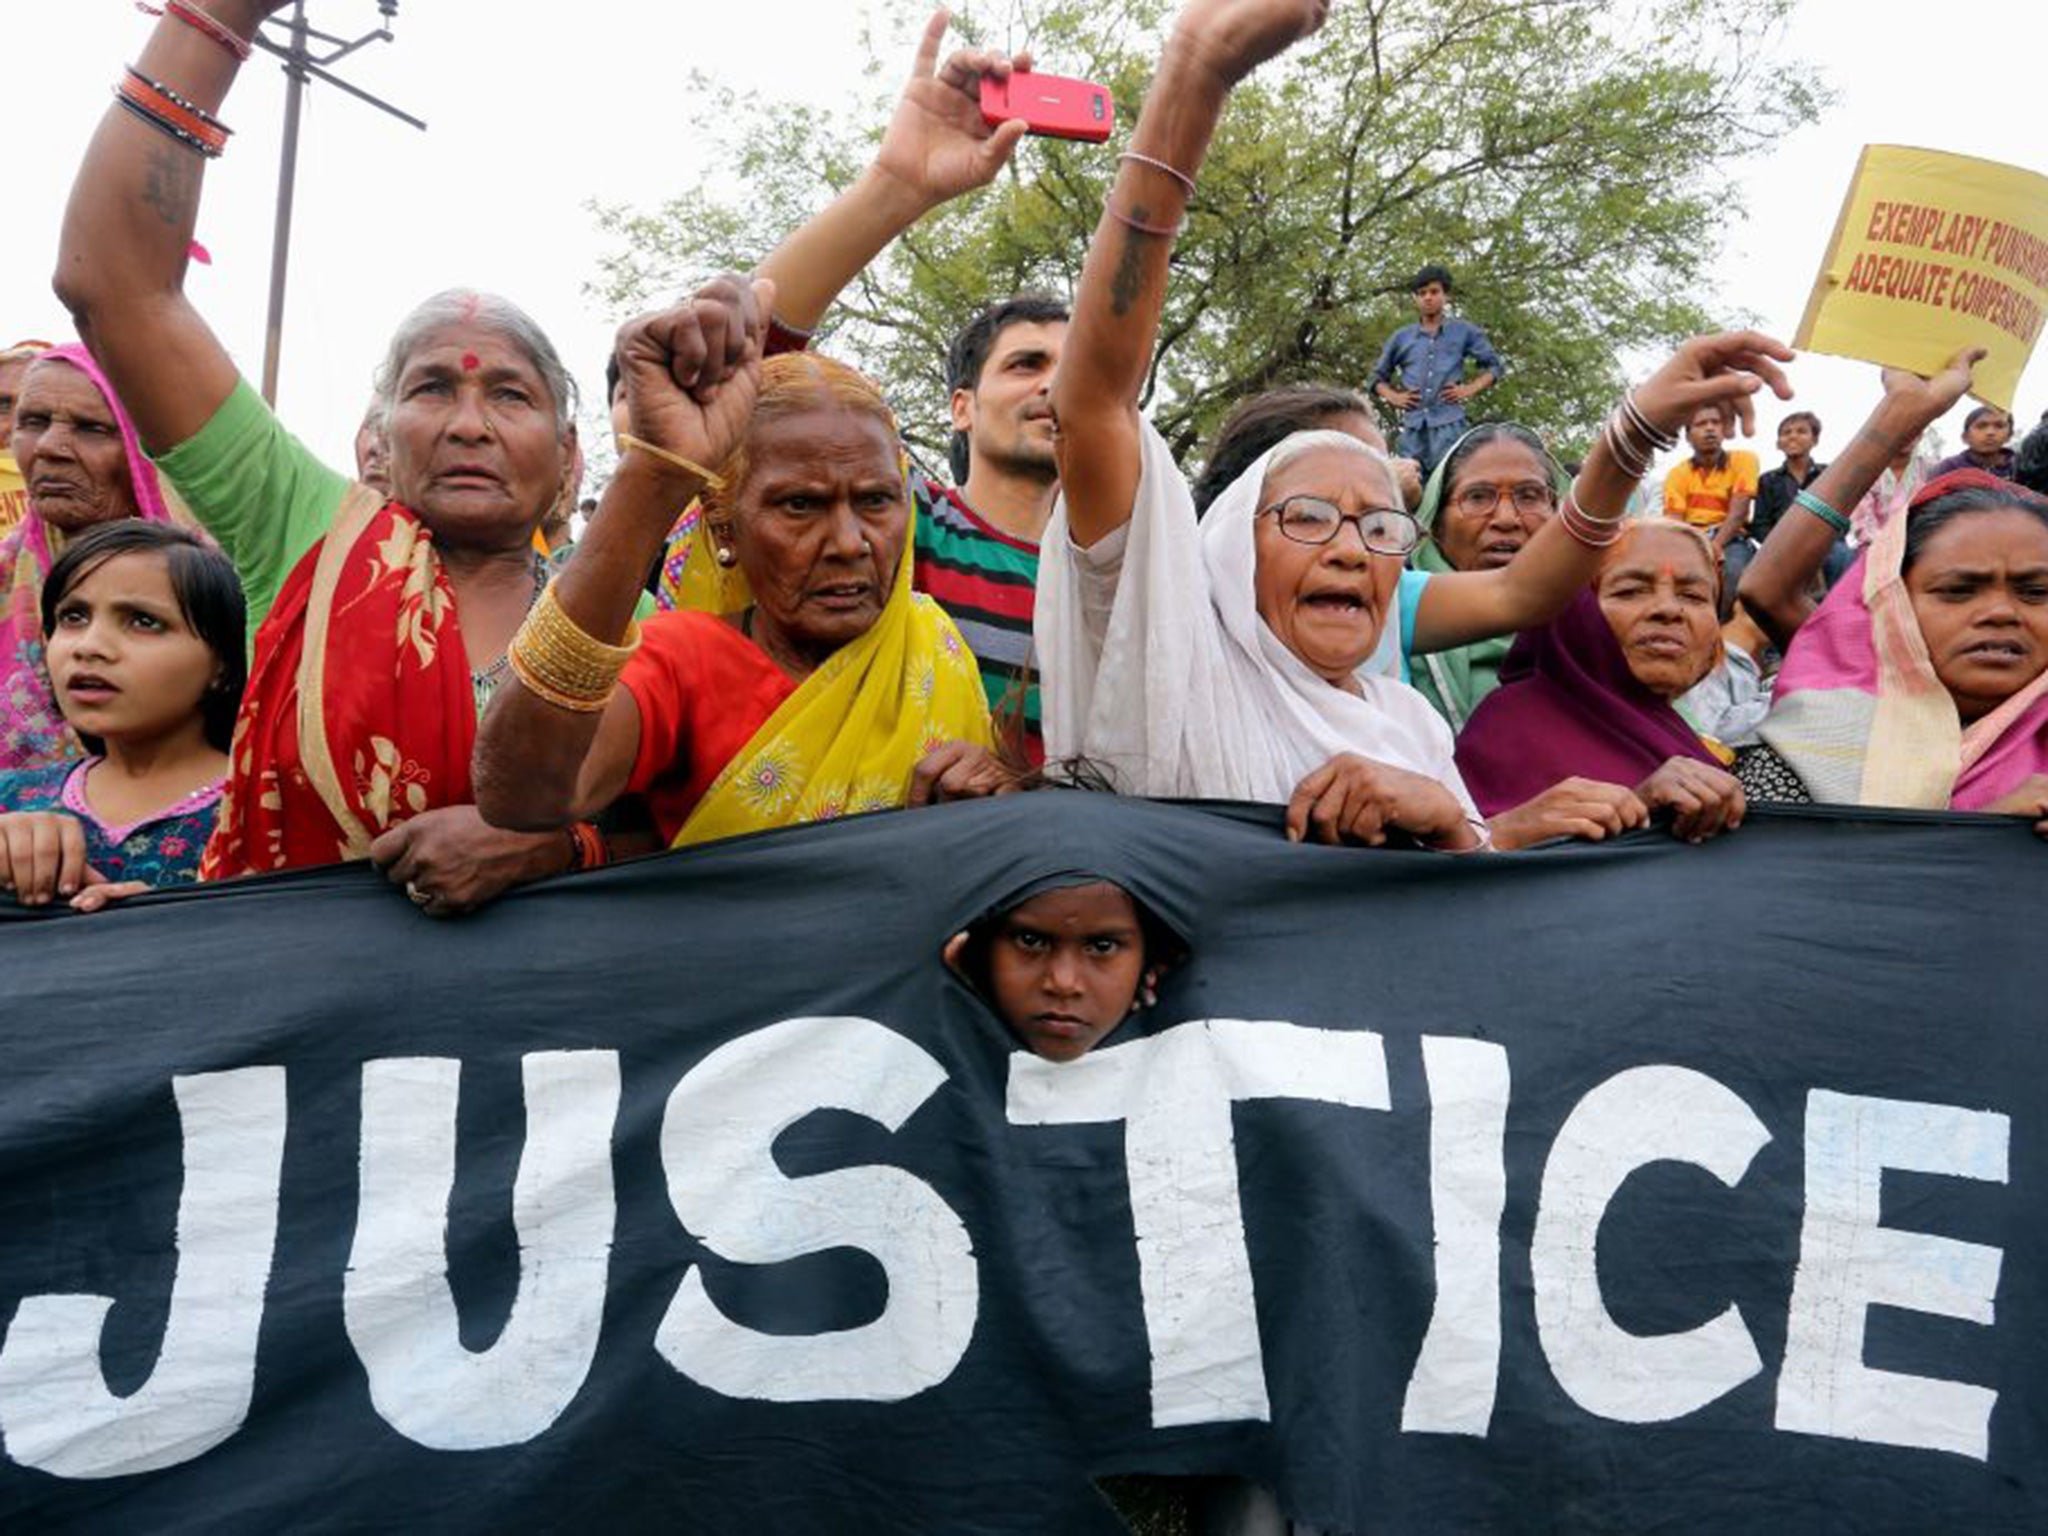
{"x":300,"y":65}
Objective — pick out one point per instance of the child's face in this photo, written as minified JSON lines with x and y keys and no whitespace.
{"x":1066,"y":966}
{"x":1989,"y":432}
{"x":125,"y":661}
{"x":1795,"y":438}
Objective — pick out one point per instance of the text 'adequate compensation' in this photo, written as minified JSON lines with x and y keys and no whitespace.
{"x":1933,"y":253}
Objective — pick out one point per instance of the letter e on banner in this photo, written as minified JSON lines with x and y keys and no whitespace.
{"x":717,"y":1142}
{"x":1642,"y":1116}
{"x":1848,"y":1263}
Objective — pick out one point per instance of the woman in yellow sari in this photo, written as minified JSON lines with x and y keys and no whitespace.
{"x":823,"y":686}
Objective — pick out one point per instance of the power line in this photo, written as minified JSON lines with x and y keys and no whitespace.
{"x":301,"y":64}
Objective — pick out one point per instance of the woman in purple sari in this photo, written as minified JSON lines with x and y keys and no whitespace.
{"x":1581,"y":737}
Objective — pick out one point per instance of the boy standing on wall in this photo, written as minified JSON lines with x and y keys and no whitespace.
{"x":1430,"y":358}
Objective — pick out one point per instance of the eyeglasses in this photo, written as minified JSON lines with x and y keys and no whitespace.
{"x":1312,"y":520}
{"x":1530,"y":498}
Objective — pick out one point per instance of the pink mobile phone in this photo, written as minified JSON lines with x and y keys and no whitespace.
{"x":1051,"y":105}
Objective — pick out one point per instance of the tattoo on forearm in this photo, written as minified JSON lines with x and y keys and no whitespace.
{"x":170,"y":186}
{"x":1129,"y":278}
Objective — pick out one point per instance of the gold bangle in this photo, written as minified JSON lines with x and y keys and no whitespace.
{"x":564,"y":664}
{"x":711,"y":478}
{"x":541,"y":690}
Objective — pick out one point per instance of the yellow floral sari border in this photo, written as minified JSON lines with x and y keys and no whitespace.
{"x":316,"y":754}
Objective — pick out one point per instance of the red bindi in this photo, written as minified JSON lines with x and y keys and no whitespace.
{"x":471,"y":362}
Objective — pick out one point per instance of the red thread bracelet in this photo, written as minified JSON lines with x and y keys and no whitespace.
{"x":210,"y":27}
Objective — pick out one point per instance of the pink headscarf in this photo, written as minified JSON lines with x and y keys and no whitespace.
{"x":1862,"y":717}
{"x":33,"y":732}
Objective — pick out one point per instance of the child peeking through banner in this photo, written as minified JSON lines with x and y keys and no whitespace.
{"x":1065,"y":961}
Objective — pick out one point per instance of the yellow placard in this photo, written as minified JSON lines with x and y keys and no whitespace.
{"x":1933,"y":253}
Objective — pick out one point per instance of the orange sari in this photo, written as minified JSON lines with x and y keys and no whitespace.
{"x":359,"y":712}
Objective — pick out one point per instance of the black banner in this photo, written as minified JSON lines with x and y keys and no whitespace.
{"x":1641,"y":1187}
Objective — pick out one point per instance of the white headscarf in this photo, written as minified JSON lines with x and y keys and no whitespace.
{"x":1157,"y":667}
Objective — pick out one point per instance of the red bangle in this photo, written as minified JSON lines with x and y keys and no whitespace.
{"x":193,"y":138}
{"x":210,"y":27}
{"x":184,"y":104}
{"x":587,"y":847}
{"x":166,"y":105}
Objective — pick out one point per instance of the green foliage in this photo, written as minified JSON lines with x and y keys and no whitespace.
{"x":1565,"y":158}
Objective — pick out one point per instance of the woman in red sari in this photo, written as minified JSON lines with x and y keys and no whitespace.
{"x":383,"y":621}
{"x":824,"y":686}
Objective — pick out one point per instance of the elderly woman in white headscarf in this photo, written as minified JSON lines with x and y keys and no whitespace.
{"x":1229,"y":660}
{"x":1224,"y":661}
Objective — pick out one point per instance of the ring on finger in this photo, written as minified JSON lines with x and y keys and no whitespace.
{"x":417,"y":895}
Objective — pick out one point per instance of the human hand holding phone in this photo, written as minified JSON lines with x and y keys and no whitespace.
{"x":940,"y":144}
{"x":1052,"y":106}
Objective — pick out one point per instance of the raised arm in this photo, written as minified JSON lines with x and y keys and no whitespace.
{"x":1462,"y":606}
{"x":691,"y":374}
{"x":937,"y":148}
{"x":128,"y":233}
{"x":1778,"y":586}
{"x":1214,"y":45}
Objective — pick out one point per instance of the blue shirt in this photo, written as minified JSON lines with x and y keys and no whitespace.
{"x":160,"y":850}
{"x":1395,"y":654}
{"x":1427,"y":363}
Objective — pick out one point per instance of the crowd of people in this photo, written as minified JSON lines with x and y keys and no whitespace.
{"x":220,"y":657}
{"x":223,"y":657}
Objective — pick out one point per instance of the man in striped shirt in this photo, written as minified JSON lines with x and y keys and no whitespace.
{"x":977,"y":541}
{"x":976,"y":550}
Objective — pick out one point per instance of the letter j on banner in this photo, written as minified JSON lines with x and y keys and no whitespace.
{"x":1933,"y":253}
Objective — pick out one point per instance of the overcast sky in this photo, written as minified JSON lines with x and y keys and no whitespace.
{"x":536,"y":109}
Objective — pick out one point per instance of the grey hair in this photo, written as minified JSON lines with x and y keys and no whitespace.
{"x":465,"y":306}
{"x":1297,"y":444}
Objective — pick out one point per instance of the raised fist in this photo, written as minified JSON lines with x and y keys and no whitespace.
{"x":1234,"y":37}
{"x":691,"y":373}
